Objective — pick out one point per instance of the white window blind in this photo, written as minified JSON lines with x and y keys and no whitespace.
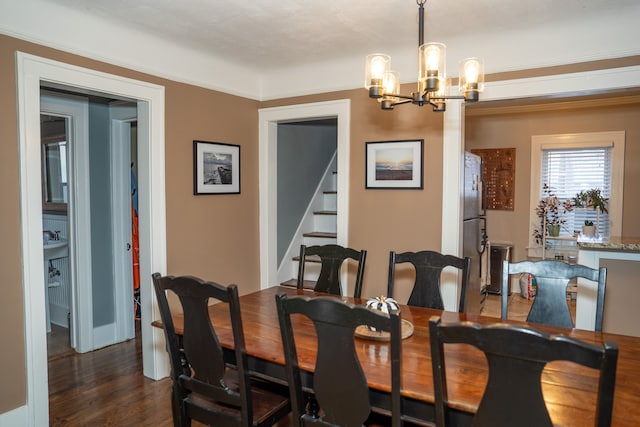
{"x":571,"y":170}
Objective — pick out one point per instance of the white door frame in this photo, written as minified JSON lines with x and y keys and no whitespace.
{"x":31,"y":71}
{"x":268,"y":119}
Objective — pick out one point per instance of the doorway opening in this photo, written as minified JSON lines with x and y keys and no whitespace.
{"x":32,"y":73}
{"x":94,"y":221}
{"x":269,"y":118}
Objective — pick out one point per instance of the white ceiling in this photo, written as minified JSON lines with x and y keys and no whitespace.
{"x":276,"y":33}
{"x":270,"y":38}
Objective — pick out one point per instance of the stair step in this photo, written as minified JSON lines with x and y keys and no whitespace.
{"x":309,"y":258}
{"x":292,"y":283}
{"x":321,"y":234}
{"x":306,"y":284}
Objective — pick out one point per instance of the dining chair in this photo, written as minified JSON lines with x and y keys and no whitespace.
{"x":516,"y":357}
{"x":339,"y":385}
{"x":206,"y":388}
{"x":331,"y":259}
{"x":428,"y":267}
{"x":550,"y":304}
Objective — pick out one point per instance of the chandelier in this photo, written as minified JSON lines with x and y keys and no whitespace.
{"x":384,"y":84}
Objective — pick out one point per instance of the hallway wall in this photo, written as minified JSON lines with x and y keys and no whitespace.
{"x":199,"y":228}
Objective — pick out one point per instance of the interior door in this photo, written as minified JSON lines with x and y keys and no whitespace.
{"x":123,"y":116}
{"x":76,"y":109}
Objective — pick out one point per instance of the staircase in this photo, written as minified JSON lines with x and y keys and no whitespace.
{"x":318,"y":227}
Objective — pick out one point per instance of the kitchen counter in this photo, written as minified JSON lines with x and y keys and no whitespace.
{"x":621,"y":256}
{"x":617,"y":244}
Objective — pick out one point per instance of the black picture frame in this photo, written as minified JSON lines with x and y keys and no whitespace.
{"x":394,"y":164}
{"x":216,"y":168}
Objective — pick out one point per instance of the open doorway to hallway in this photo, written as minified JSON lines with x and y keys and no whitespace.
{"x":269,"y":118}
{"x":32,"y":72}
{"x":307,"y":189}
{"x":94,"y":221}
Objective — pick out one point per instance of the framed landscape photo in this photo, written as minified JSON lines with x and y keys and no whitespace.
{"x":216,"y":168}
{"x":394,"y":164}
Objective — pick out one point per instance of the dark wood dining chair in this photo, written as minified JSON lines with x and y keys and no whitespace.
{"x":428,"y":267}
{"x":331,"y":258}
{"x":516,"y":357}
{"x":550,"y":304}
{"x":205,"y":388}
{"x":339,"y":386}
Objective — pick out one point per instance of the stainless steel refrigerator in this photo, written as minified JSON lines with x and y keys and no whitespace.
{"x":474,"y":233}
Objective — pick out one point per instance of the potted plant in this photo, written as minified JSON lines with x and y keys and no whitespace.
{"x":551,"y":211}
{"x":591,"y":199}
{"x":588,"y":229}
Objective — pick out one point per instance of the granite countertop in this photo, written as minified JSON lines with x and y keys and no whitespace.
{"x":618,"y":244}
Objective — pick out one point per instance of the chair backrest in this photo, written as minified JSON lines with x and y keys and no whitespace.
{"x":429,"y":266}
{"x":552,"y":278}
{"x":516,"y":356}
{"x":331,"y":260}
{"x":339,"y":383}
{"x":197,"y":360}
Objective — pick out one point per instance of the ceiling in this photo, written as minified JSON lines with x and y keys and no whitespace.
{"x":274,"y":49}
{"x":285,"y":33}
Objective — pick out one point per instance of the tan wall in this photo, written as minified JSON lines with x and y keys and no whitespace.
{"x":215,"y":237}
{"x":13,"y":386}
{"x":516,"y":129}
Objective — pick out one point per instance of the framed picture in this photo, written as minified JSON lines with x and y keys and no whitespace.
{"x":216,"y":168}
{"x":394,"y":164}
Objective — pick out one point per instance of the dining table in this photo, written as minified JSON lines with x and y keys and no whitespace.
{"x":569,"y":390}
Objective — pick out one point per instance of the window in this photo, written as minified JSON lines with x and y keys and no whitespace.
{"x":568,"y":171}
{"x":573,"y":162}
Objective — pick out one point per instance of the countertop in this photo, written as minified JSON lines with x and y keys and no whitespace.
{"x":614,"y":243}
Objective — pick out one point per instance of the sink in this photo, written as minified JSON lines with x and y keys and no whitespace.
{"x":55,"y":249}
{"x":52,"y":249}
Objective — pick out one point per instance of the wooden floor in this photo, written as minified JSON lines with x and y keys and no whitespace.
{"x":106,"y":387}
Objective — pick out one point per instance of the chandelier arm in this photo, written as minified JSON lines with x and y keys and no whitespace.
{"x":404,"y":101}
{"x":397,"y":95}
{"x":447,"y":97}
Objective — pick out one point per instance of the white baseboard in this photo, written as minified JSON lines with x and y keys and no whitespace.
{"x":59,"y":315}
{"x":15,"y":417}
{"x":104,"y":336}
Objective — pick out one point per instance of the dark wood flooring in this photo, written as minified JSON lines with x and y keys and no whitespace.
{"x":106,"y":387}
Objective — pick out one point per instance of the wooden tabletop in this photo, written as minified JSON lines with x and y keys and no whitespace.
{"x":568,"y":389}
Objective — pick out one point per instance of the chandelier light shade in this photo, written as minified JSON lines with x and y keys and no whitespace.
{"x":384,"y":84}
{"x":471,"y":80}
{"x":377,"y":65}
{"x":431,"y":61}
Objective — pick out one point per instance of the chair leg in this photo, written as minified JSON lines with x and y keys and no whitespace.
{"x":180,"y":418}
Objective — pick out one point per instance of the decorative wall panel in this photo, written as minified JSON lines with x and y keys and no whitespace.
{"x":499,"y":176}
